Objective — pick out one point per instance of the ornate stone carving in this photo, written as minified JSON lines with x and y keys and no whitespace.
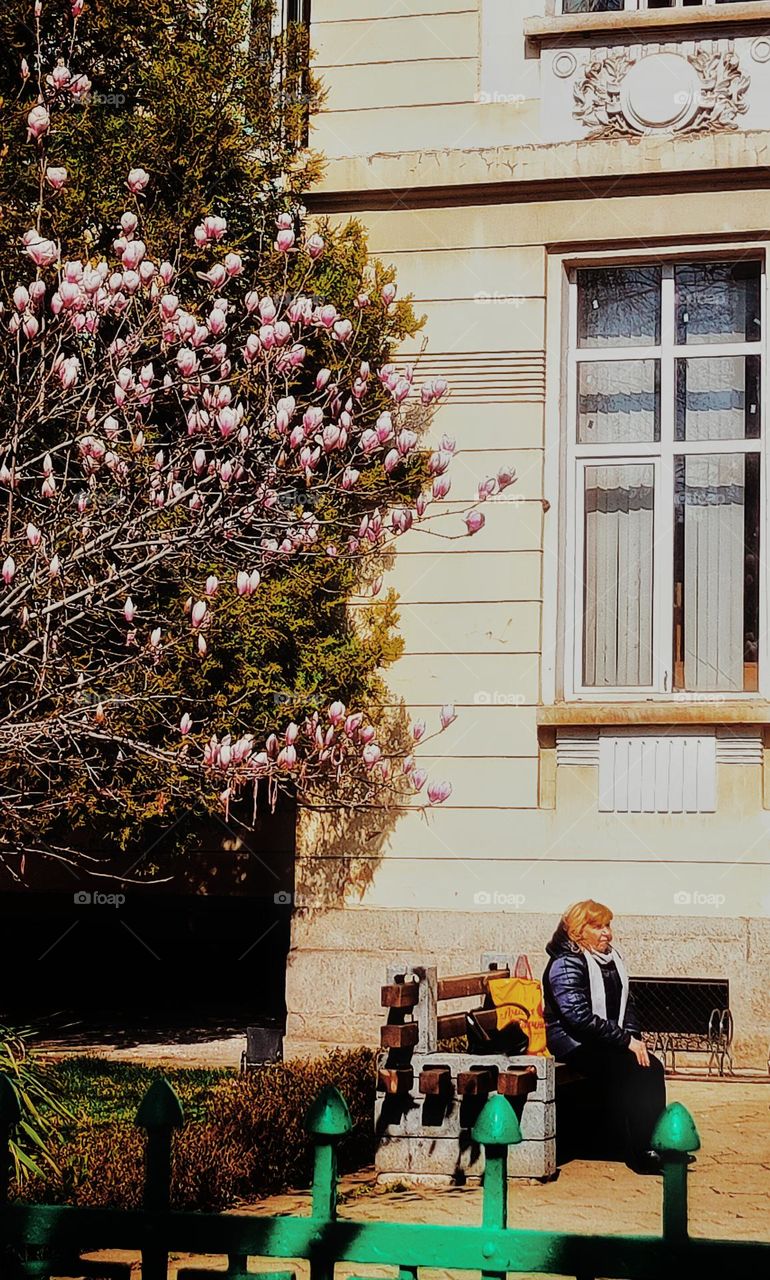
{"x":625,"y":93}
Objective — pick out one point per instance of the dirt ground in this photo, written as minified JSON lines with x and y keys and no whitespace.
{"x":729,"y":1188}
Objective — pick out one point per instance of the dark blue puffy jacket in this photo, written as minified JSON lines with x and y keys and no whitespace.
{"x":569,"y":1019}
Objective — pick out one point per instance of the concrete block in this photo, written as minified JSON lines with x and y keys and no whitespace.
{"x":445,"y":1157}
{"x":537,"y":1119}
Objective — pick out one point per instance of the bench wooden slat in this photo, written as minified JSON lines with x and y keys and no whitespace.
{"x":400,"y":995}
{"x":395,"y":1080}
{"x":399,"y":1035}
{"x":517,"y":1082}
{"x":435,"y":1081}
{"x":453,"y":1024}
{"x":467,"y":984}
{"x":476,"y":1082}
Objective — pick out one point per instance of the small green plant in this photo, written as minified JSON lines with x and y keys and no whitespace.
{"x":32,"y":1148}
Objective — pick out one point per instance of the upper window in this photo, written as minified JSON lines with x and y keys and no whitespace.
{"x":664,"y":452}
{"x":610,"y":6}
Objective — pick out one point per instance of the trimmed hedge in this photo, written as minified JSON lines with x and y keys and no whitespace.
{"x":250,"y":1141}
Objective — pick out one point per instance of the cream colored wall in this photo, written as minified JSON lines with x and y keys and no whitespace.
{"x":415,"y":71}
{"x":471,"y":608}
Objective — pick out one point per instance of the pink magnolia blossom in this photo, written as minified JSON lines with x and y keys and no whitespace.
{"x":38,"y":123}
{"x":56,"y":176}
{"x":284,"y":241}
{"x":418,"y":730}
{"x":438,"y":792}
{"x":42,"y":252}
{"x":9,"y":570}
{"x":343,"y":330}
{"x":447,"y":715}
{"x":185,"y":724}
{"x":198,"y":613}
{"x":129,"y":611}
{"x":137,"y":180}
{"x":474,"y":521}
{"x":418,"y":779}
{"x":315,"y":245}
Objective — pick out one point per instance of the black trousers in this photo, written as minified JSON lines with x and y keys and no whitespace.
{"x":634,"y":1096}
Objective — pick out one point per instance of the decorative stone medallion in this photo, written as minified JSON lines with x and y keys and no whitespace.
{"x":624,"y":92}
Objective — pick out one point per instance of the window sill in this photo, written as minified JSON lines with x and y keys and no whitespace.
{"x":752,"y":711}
{"x":706,"y":20}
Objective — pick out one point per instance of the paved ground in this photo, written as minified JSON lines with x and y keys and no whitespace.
{"x":729,"y":1187}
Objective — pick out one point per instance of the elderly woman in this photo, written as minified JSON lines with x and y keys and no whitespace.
{"x":592,"y":1025}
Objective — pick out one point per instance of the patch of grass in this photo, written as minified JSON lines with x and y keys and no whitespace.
{"x":99,"y":1091}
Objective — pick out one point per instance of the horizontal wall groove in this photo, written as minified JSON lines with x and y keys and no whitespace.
{"x":534,"y":860}
{"x":392,"y":62}
{"x":387,"y":17}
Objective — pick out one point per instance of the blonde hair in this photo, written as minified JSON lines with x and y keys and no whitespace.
{"x":582,"y":914}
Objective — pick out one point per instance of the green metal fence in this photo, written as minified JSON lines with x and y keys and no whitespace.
{"x":41,"y":1241}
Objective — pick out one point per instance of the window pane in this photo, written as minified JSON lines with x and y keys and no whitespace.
{"x":716,"y":572}
{"x":717,"y":398}
{"x":717,"y":302}
{"x":618,"y":400}
{"x":590,"y":6}
{"x":617,"y":575}
{"x":619,"y":307}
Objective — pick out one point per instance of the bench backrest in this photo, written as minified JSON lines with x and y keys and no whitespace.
{"x":412,"y":993}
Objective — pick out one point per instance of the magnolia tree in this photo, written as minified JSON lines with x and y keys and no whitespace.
{"x":176,"y":444}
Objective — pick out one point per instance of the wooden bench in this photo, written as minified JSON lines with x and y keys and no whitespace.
{"x":428,"y":1099}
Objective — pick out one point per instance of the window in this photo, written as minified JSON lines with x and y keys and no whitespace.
{"x":294,"y":11}
{"x":611,"y":6}
{"x":664,"y":458}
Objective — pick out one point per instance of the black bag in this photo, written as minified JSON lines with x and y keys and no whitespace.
{"x":510,"y":1041}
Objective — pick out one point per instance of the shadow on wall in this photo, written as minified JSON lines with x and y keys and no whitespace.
{"x":338,"y":851}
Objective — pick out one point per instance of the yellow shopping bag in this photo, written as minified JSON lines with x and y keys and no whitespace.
{"x":520,"y":999}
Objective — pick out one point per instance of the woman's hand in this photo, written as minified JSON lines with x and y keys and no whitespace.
{"x":639,"y":1049}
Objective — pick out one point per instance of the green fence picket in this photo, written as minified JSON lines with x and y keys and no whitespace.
{"x":159,"y":1113}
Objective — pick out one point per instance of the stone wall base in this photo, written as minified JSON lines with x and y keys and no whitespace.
{"x":338,"y":958}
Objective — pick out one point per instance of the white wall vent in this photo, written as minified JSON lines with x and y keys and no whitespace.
{"x":577,"y":746}
{"x":739,"y":746}
{"x":667,"y":771}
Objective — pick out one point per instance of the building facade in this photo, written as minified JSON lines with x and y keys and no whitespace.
{"x":575,"y":192}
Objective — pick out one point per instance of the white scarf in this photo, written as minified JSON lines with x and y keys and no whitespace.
{"x":595,"y":960}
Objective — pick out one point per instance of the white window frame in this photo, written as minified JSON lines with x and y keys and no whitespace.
{"x":636,"y":5}
{"x":565,"y":460}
